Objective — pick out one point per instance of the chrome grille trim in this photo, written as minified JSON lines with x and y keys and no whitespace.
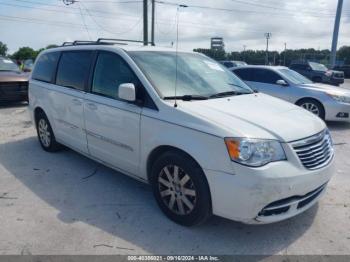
{"x":316,"y":151}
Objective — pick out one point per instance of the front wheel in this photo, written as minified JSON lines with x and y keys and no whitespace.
{"x":313,"y":106}
{"x":181,"y":189}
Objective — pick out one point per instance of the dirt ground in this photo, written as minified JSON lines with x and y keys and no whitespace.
{"x":64,"y":203}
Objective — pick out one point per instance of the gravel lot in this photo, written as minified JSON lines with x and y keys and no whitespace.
{"x":64,"y":203}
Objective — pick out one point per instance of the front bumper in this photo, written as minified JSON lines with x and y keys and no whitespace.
{"x":243,"y":195}
{"x":13,"y":92}
{"x":337,"y":111}
{"x":334,"y":80}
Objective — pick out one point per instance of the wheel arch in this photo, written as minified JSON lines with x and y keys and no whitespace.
{"x":38,"y":110}
{"x":298,"y":102}
{"x":158,"y":151}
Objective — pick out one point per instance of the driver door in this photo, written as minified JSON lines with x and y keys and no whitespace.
{"x":265,"y":81}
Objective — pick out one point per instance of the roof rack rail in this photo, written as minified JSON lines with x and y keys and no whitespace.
{"x":103,"y":41}
{"x":120,"y":40}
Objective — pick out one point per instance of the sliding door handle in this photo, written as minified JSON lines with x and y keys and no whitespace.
{"x":76,"y":102}
{"x":91,"y":106}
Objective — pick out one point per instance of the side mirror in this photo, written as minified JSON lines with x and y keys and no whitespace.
{"x":281,"y":82}
{"x":127,"y":92}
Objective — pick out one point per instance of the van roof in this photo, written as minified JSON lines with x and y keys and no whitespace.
{"x":127,"y":48}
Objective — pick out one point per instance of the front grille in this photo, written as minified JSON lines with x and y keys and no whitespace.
{"x":339,"y":75}
{"x":316,"y":151}
{"x":13,"y":86}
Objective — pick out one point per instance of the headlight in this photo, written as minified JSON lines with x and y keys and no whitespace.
{"x":254,"y":152}
{"x":340,"y":98}
{"x":328,"y":73}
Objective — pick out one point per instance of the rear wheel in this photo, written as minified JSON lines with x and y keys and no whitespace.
{"x":181,"y":189}
{"x":313,"y":106}
{"x":45,"y":134}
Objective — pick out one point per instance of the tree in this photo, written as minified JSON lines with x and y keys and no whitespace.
{"x":51,"y":46}
{"x":3,"y":49}
{"x":24,"y":53}
{"x":215,"y":54}
{"x":344,"y":54}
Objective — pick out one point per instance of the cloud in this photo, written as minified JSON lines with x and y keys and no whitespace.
{"x":299,"y":23}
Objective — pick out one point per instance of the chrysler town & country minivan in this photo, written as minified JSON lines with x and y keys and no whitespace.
{"x":183,"y":123}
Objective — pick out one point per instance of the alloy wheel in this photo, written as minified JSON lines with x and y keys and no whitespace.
{"x":177,"y":190}
{"x":311,"y":108}
{"x":44,"y":133}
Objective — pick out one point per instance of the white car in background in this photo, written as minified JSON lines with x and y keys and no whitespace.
{"x":326,"y":101}
{"x":214,"y":148}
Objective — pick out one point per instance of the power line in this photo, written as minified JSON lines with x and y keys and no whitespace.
{"x":109,"y":31}
{"x":326,"y":16}
{"x":82,"y":18}
{"x":278,"y":8}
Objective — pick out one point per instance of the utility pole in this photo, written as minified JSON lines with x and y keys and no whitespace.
{"x":335,"y":33}
{"x":244,"y":47}
{"x":153,"y":18}
{"x":268,"y":36}
{"x":145,"y":22}
{"x":284,"y":57}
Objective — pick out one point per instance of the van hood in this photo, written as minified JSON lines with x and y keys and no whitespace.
{"x":255,"y":116}
{"x":13,"y":76}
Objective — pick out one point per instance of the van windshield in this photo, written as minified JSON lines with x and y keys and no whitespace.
{"x":318,"y":67}
{"x":197,"y":74}
{"x":8,"y":65}
{"x":294,"y":77}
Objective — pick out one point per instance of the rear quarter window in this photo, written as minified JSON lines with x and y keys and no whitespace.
{"x":45,"y":67}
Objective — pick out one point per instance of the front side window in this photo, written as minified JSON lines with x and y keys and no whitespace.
{"x":73,"y":69}
{"x":266,"y":76}
{"x":245,"y":74}
{"x":45,"y":67}
{"x":197,"y":75}
{"x":111,"y":71}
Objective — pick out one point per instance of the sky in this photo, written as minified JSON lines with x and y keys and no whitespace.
{"x":242,"y":23}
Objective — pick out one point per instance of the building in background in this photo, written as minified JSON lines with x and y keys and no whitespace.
{"x":217,"y":44}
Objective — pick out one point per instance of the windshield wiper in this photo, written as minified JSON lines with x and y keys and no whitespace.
{"x":227,"y":93}
{"x":186,"y":97}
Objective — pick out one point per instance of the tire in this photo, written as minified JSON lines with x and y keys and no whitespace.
{"x":187,"y":204}
{"x":312,"y":106}
{"x":45,"y":134}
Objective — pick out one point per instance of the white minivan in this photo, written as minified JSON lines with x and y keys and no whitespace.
{"x":183,"y":123}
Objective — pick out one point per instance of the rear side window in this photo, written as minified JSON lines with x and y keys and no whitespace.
{"x":111,"y":71}
{"x":299,"y":66}
{"x":244,"y":74}
{"x":73,"y":69}
{"x":228,"y":64}
{"x":266,"y":76}
{"x":45,"y":67}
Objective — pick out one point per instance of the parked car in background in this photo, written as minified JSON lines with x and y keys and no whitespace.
{"x":345,"y":69}
{"x":28,"y":65}
{"x":326,"y":101}
{"x":215,"y":147}
{"x":232,"y":64}
{"x":13,"y":82}
{"x":318,"y":73}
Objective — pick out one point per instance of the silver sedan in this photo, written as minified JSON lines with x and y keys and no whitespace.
{"x":328,"y":102}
